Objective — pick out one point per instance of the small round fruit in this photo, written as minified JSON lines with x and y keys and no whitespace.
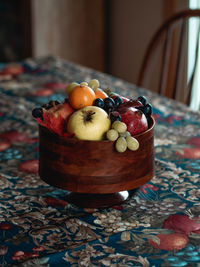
{"x":148,"y":109}
{"x":115,"y":116}
{"x":84,"y":83}
{"x":119,"y":126}
{"x":81,"y":96}
{"x":142,"y":99}
{"x":141,"y":108}
{"x":94,"y":84}
{"x":132,"y":143}
{"x":70,"y":87}
{"x":109,"y":104}
{"x":125,"y":134}
{"x":89,"y":123}
{"x":100,"y":94}
{"x":112,"y":135}
{"x":121,"y":144}
{"x":118,"y":101}
{"x":37,"y":113}
{"x":98,"y":102}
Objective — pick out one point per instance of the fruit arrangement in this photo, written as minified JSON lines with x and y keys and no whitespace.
{"x":90,"y":113}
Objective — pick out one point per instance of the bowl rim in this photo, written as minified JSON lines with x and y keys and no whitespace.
{"x":72,"y":139}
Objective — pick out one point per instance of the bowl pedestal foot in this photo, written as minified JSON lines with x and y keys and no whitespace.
{"x":97,"y":200}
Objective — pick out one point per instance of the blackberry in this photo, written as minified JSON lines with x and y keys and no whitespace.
{"x":148,"y":109}
{"x":118,"y":101}
{"x":98,"y":102}
{"x":37,"y":113}
{"x":142,"y":99}
{"x":115,"y":116}
{"x":109,"y":104}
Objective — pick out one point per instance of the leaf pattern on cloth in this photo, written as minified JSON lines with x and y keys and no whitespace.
{"x":38,"y":227}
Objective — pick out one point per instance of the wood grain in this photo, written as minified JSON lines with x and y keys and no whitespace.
{"x":94,"y":166}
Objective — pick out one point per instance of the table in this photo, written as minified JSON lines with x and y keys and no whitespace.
{"x":158,"y":226}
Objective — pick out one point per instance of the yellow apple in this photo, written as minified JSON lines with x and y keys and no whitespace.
{"x":89,"y":123}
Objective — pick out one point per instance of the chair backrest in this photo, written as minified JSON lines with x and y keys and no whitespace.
{"x":165,"y":65}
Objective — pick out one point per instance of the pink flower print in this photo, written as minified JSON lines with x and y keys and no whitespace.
{"x":55,"y":85}
{"x":54,"y":202}
{"x":38,"y":248}
{"x":143,"y":188}
{"x":4,"y":145}
{"x":42,"y":92}
{"x":5,"y":226}
{"x":175,"y":241}
{"x":3,"y":250}
{"x":13,"y":136}
{"x":189,"y":153}
{"x":182,"y":223}
{"x":29,"y":166}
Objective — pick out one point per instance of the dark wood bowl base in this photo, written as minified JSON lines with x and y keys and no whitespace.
{"x":97,"y":175}
{"x":98,"y":200}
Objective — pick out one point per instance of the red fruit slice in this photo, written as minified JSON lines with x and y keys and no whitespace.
{"x":29,"y":166}
{"x":175,"y":241}
{"x":125,"y":99}
{"x":182,"y":223}
{"x":55,"y":119}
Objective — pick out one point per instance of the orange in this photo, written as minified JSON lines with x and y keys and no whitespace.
{"x":100,"y":94}
{"x":81,"y":96}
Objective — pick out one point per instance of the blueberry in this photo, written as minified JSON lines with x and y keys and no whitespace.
{"x":109,"y":103}
{"x":148,"y":109}
{"x":98,"y":102}
{"x":37,"y":113}
{"x":108,"y":110}
{"x":115,"y":116}
{"x":118,"y":101}
{"x":140,"y":108}
{"x":142,"y":99}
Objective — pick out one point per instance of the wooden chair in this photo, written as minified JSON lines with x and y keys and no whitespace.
{"x":164,"y":67}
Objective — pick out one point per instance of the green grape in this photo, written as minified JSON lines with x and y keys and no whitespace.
{"x":94,"y":84}
{"x":119,"y":126}
{"x":125,"y":134}
{"x":70,"y":87}
{"x":112,"y":135}
{"x":84,"y":83}
{"x":132,"y":143}
{"x":121,"y":144}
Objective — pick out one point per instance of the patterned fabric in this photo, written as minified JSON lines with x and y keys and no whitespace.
{"x":158,"y":226}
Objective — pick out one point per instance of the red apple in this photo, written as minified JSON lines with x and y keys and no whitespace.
{"x":131,"y":103}
{"x":135,"y":120}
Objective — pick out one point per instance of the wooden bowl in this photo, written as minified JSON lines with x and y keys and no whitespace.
{"x":94,"y":169}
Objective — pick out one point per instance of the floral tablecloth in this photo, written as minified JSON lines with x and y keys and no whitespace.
{"x":158,"y":226}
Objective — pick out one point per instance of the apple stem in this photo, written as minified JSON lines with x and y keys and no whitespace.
{"x":87,"y":115}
